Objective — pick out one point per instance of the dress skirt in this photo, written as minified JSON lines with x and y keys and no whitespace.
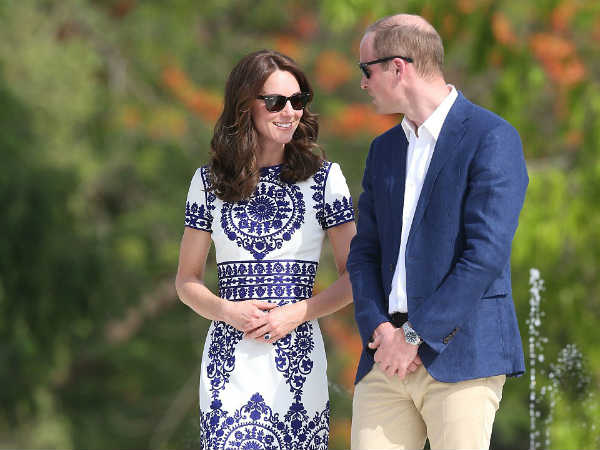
{"x":255,"y":395}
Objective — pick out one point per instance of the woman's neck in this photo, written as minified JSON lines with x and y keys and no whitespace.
{"x":266,"y":157}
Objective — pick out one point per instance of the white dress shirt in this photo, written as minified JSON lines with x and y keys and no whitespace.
{"x":418,"y":156}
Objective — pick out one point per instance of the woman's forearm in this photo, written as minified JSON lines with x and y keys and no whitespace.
{"x":332,"y":299}
{"x":201,"y":300}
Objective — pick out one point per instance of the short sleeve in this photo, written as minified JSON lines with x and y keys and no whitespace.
{"x":337,"y":202}
{"x":198,"y":204}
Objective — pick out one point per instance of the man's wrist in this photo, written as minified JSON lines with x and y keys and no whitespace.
{"x":381,"y":328}
{"x":411,"y":335}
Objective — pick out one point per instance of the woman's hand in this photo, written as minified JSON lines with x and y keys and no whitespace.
{"x":248,"y":315}
{"x":280,"y":322}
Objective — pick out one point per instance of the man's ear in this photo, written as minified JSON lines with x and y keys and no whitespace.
{"x":399,"y":67}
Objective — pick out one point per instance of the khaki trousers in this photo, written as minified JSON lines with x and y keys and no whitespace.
{"x":389,"y":413}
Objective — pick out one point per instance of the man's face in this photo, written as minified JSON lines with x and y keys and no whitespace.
{"x":380,"y":82}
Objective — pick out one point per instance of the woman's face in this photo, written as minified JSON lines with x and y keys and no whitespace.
{"x":276,"y":128}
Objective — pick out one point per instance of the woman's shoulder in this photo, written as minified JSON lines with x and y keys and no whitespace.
{"x":202,"y":175}
{"x":327,"y":169}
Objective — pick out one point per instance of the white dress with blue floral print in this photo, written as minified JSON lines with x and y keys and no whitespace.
{"x":255,"y":395}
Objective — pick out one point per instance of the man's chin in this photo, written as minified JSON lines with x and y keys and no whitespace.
{"x":380,"y":110}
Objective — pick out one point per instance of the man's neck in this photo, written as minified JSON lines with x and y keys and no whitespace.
{"x":424,"y":100}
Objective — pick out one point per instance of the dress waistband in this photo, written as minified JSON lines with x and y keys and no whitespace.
{"x":283,"y":281}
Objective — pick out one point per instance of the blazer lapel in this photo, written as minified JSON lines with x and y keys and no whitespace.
{"x":395,"y":182}
{"x":447,"y":144}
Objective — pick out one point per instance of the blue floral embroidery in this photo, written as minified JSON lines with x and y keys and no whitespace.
{"x":283,"y":280}
{"x":256,"y":427}
{"x":221,"y":355}
{"x":200,"y":216}
{"x":293,"y":357}
{"x":273,"y":213}
{"x":196,"y":216}
{"x":320,"y":179}
{"x":329,"y":215}
{"x":341,"y":211}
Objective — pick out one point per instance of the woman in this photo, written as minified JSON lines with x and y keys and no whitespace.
{"x":267,"y":201}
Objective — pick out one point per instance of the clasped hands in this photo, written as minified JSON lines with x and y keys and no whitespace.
{"x":260,"y":320}
{"x":394,"y":356}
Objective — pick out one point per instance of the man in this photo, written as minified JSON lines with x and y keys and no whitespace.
{"x":430,"y":265}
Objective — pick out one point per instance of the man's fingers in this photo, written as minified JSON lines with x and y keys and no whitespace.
{"x":389,"y":371}
{"x":417,"y":360}
{"x":400,"y":373}
{"x":375,"y":342}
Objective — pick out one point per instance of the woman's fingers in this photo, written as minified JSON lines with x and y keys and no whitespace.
{"x":258,"y":332}
{"x":265,"y":306}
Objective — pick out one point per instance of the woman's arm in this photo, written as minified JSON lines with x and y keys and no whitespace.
{"x":192,"y":291}
{"x":284,"y":319}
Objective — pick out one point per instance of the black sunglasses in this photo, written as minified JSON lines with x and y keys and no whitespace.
{"x":276,"y":102}
{"x":365,"y":69}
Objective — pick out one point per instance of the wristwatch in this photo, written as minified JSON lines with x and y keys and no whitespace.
{"x":411,"y":335}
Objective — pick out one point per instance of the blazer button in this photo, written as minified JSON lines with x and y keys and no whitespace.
{"x":391,"y":267}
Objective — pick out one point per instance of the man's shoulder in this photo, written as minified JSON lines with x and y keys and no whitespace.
{"x":393,"y":135}
{"x":485,"y":120}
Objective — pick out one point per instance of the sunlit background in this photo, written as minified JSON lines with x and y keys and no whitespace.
{"x":107,"y":108}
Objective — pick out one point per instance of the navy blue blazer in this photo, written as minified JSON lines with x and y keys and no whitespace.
{"x":458,"y":250}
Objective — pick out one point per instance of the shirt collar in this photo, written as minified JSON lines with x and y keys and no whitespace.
{"x":433,"y":124}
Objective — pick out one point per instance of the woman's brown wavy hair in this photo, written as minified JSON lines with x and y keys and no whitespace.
{"x":234,"y":174}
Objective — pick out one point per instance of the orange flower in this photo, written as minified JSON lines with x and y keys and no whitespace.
{"x":349,"y":340}
{"x":205,"y":104}
{"x":502,"y":29}
{"x":496,"y":57}
{"x":130,"y":117}
{"x":596,"y":31}
{"x":558,"y":56}
{"x":306,"y":26}
{"x":562,"y":15}
{"x":449,"y":25}
{"x":427,"y":13}
{"x":122,"y":8}
{"x":289,"y":46}
{"x":332,"y":70}
{"x":358,"y":118}
{"x":574,"y":138}
{"x":467,"y":6}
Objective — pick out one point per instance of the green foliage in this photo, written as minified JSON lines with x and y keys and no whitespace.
{"x":106,"y":108}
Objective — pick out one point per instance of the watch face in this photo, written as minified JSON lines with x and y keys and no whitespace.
{"x":410,"y":335}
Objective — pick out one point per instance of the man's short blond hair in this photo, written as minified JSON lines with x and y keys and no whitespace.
{"x":416,"y":39}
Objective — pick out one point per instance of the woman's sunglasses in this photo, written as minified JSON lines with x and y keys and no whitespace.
{"x":275,"y":102}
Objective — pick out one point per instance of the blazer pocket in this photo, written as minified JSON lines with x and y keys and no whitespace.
{"x":498,"y":288}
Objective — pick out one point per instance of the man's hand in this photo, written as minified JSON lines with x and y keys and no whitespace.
{"x":393,"y":354}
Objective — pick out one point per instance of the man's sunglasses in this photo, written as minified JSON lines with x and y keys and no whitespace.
{"x":275,"y":102}
{"x":365,"y":65}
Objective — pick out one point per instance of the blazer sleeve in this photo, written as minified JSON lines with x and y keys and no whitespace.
{"x":494,"y":198}
{"x":364,"y":261}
